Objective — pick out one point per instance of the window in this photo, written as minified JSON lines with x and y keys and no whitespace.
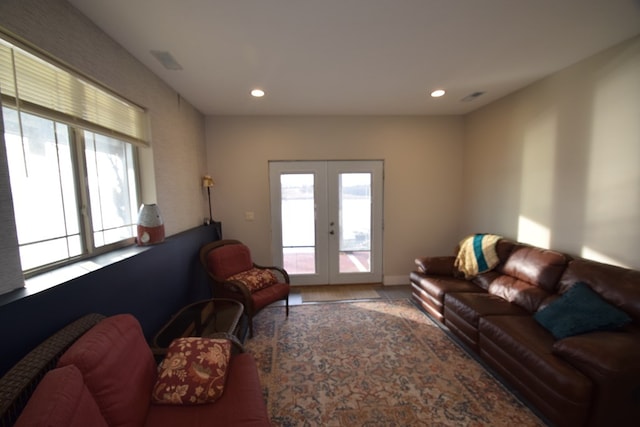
{"x":71,"y":152}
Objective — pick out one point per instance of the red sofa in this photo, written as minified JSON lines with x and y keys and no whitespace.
{"x":591,"y":378}
{"x":106,"y":378}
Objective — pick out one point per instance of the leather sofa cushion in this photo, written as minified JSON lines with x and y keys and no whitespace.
{"x":118,"y":368}
{"x":536,"y":266}
{"x":616,"y":285}
{"x":438,"y":286}
{"x":471,"y":306}
{"x":61,"y":400}
{"x":241,"y":404}
{"x":610,"y":359}
{"x":519,"y":292}
{"x":528,"y":350}
{"x":611,"y":356}
{"x":443,"y":265}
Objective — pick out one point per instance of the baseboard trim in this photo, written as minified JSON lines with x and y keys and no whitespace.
{"x":395,"y":280}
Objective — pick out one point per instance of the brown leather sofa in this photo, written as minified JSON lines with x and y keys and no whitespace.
{"x":589,"y":379}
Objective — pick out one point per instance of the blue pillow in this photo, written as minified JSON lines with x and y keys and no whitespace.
{"x":580,"y":310}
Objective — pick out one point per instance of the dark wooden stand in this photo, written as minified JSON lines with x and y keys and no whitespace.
{"x":213,"y":318}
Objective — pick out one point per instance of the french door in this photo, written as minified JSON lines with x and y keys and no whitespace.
{"x":327,"y":220}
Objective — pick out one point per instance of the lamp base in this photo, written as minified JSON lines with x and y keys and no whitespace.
{"x":150,"y":235}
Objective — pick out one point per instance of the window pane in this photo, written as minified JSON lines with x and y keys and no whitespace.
{"x":43,"y":253}
{"x":355,"y":222}
{"x":46,"y":158}
{"x":42,"y":186}
{"x":112,"y":188}
{"x":298,"y":223}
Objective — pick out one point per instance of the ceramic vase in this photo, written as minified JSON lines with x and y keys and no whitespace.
{"x":150,"y":225}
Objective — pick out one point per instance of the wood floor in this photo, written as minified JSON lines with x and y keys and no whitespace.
{"x":323,"y":293}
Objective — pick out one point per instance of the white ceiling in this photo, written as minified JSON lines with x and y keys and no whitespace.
{"x":359,"y":56}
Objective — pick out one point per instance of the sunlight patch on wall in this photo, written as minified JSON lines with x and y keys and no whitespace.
{"x":612,"y":205}
{"x":533,"y":233}
{"x":594,"y":255}
{"x":538,"y":179}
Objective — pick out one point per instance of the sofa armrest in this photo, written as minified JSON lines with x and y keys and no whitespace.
{"x":17,"y":385}
{"x":442,"y":265}
{"x":610,"y":360}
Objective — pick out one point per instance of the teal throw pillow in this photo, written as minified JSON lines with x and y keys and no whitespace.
{"x":580,"y":310}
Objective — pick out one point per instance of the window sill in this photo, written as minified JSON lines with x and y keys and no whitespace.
{"x":61,"y":275}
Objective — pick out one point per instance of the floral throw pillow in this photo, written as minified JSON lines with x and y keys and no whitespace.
{"x":194,"y":371}
{"x":255,"y":279}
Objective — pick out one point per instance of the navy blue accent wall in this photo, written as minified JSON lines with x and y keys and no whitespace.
{"x":151,"y":285}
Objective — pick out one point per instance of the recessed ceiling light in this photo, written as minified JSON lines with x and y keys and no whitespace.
{"x":258,"y":93}
{"x":437,"y":93}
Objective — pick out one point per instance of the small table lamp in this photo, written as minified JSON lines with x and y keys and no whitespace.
{"x":208,"y":182}
{"x":150,"y":225}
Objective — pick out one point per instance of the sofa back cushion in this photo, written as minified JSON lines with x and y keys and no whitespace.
{"x":118,"y":368}
{"x":616,"y":285}
{"x":536,"y":266}
{"x":228,"y":260}
{"x":61,"y":400}
{"x":527,"y":274}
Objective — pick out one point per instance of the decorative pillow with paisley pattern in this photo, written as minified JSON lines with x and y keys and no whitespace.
{"x":193,"y":372}
{"x":255,"y":279}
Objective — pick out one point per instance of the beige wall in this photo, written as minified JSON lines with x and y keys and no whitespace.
{"x":558,"y":163}
{"x":422,"y":161}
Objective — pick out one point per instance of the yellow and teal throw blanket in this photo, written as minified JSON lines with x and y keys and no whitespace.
{"x":477,"y":254}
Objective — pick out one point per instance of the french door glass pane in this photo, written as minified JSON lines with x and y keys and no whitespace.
{"x":355,"y":222}
{"x":298,"y":223}
{"x":112,"y":191}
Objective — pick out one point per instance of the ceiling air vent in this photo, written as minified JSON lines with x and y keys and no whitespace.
{"x":166,"y":59}
{"x":472,"y":96}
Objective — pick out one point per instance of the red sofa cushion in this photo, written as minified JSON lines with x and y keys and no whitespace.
{"x":118,"y":368}
{"x":61,"y":400}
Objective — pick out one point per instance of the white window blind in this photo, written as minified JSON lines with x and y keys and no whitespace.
{"x":31,"y":84}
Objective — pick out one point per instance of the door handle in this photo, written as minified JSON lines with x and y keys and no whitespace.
{"x":332,"y":232}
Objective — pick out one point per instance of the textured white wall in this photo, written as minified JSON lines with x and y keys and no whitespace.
{"x":557,"y":163}
{"x":422,"y":160}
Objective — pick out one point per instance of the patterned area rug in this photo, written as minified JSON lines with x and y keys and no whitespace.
{"x":373,"y":363}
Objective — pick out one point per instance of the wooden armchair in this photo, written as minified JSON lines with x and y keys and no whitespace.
{"x":233,"y":274}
